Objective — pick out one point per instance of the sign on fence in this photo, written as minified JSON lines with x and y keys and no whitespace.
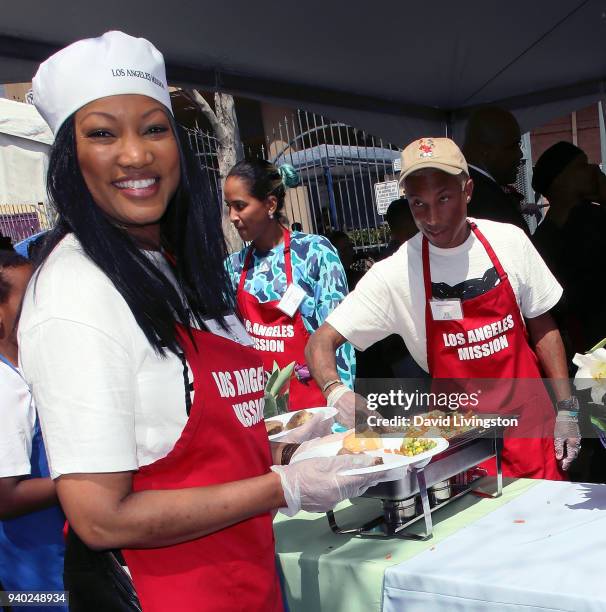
{"x":385,"y":194}
{"x":397,"y":165}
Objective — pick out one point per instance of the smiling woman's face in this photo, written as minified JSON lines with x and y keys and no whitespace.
{"x":129,"y":158}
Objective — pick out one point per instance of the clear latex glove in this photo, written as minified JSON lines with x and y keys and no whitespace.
{"x":315,"y":485}
{"x":351,"y":407}
{"x":567,"y":438}
{"x":316,"y":427}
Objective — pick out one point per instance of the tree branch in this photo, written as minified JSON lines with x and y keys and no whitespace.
{"x":208,"y":112}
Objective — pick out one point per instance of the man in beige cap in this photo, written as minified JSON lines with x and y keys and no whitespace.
{"x":478,"y":283}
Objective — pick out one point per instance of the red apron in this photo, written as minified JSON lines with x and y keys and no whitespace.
{"x":224,"y":440}
{"x":277,"y":336}
{"x":530,"y":457}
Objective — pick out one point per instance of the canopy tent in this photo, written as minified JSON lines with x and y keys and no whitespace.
{"x":397,"y":69}
{"x":25,"y":141}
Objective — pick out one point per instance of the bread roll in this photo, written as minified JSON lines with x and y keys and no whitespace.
{"x":362,"y":442}
{"x":273,"y":427}
{"x":299,"y":418}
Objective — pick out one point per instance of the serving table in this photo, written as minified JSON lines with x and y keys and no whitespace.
{"x":539,"y":546}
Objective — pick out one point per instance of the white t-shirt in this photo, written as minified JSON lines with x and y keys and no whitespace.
{"x":106,"y":401}
{"x":17,"y":420}
{"x":390,"y":298}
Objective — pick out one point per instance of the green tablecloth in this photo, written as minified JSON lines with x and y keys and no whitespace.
{"x":328,"y":572}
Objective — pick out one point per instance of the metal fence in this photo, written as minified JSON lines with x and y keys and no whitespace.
{"x":338,"y":166}
{"x":205,"y":147}
{"x":20,"y":221}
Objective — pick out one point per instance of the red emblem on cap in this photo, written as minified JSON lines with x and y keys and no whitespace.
{"x":426,"y":147}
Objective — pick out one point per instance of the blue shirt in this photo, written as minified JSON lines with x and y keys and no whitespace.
{"x":316,"y":268}
{"x":32,"y":546}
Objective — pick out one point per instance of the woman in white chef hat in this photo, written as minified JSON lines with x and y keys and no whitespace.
{"x":153,"y":428}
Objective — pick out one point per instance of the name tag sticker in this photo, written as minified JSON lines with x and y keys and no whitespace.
{"x":235,"y":330}
{"x":291,"y":300}
{"x":446,"y":310}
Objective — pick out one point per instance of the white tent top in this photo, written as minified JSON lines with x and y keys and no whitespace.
{"x":397,"y":69}
{"x":23,"y":121}
{"x":25,"y":140}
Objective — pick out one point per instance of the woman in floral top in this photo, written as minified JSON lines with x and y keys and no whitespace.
{"x":279,"y":317}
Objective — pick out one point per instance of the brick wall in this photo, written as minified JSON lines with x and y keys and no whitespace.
{"x":587,"y":128}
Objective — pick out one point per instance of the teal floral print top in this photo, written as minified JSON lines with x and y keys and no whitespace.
{"x":317,"y":269}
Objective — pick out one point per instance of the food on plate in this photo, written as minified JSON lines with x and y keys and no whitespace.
{"x":415,"y":446}
{"x":417,"y":432}
{"x":299,"y":418}
{"x":437,"y":423}
{"x":273,"y":427}
{"x":358,"y":443}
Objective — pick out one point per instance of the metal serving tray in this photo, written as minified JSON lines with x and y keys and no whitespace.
{"x":463,"y":453}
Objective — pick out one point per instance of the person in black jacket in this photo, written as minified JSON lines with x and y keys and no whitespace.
{"x":493,"y":153}
{"x":570,"y":240}
{"x":571,"y":237}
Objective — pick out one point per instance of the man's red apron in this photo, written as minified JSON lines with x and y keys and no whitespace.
{"x":277,"y":336}
{"x":531,"y":457}
{"x":224,"y":440}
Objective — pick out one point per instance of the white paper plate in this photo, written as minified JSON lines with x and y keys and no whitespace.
{"x":390,"y":461}
{"x":332,"y":448}
{"x":328,"y":411}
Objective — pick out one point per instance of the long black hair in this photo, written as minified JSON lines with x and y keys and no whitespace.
{"x":190,"y":231}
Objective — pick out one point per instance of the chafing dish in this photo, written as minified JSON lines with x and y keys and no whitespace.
{"x":451,"y":472}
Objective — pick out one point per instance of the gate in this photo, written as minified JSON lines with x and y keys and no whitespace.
{"x":20,"y":221}
{"x":338,"y":166}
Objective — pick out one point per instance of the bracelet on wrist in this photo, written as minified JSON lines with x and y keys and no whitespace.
{"x":287,"y":452}
{"x":330,"y":383}
{"x":572,"y":413}
{"x":336,"y":394}
{"x":569,"y":405}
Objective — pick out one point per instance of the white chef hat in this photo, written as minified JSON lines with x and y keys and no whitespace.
{"x":94,"y":68}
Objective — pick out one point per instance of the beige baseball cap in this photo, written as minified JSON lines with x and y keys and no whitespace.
{"x":439,"y":153}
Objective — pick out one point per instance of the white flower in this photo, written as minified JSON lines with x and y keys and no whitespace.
{"x":591,"y":373}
